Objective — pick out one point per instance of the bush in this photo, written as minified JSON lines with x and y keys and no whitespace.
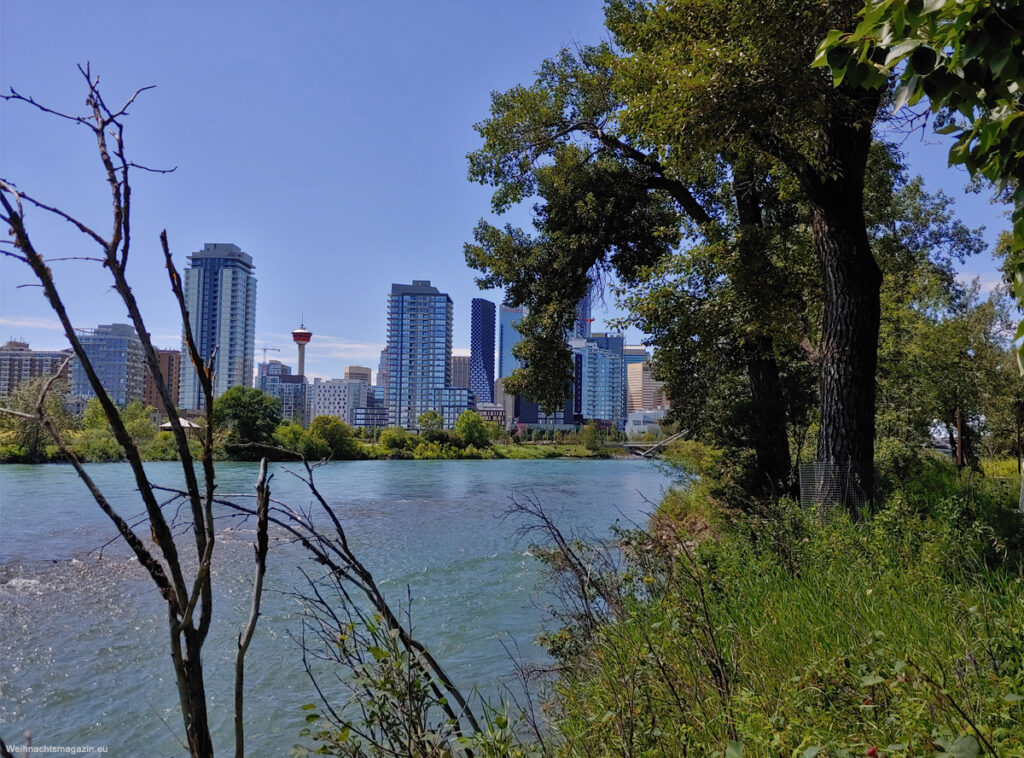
{"x":896,"y":462}
{"x":337,"y":436}
{"x":394,"y":438}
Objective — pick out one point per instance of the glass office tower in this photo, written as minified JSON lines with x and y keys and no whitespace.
{"x":481,"y":350}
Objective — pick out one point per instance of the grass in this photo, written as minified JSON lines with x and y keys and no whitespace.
{"x":783,"y":636}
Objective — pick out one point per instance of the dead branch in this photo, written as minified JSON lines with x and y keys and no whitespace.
{"x":245,"y":637}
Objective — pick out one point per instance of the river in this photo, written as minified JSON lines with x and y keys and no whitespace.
{"x":83,"y":637}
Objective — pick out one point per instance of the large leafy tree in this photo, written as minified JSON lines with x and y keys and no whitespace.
{"x":251,"y":416}
{"x":28,"y":433}
{"x":697,"y":95}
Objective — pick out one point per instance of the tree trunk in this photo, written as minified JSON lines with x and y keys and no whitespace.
{"x":849,"y":348}
{"x":200,"y":745}
{"x":768,"y":433}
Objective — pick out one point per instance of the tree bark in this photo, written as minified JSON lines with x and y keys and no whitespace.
{"x":768,"y":433}
{"x":197,"y":727}
{"x":849,"y":342}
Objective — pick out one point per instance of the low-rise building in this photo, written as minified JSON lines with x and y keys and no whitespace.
{"x":277,"y":380}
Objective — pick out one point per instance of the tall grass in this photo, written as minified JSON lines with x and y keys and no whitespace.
{"x":784,"y":636}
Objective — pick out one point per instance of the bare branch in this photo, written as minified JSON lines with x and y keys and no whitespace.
{"x":245,"y":637}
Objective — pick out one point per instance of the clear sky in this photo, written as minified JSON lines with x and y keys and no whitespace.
{"x":327,"y":138}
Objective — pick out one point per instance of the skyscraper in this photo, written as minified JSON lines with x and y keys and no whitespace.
{"x":508,"y":338}
{"x":419,"y":351}
{"x":481,"y":350}
{"x":220,"y":293}
{"x":600,"y":378}
{"x":116,"y":354}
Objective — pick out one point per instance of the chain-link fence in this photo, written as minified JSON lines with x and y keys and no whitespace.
{"x":830,"y":488}
{"x":833,"y":487}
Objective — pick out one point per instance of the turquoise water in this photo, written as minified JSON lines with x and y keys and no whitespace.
{"x":83,"y":637}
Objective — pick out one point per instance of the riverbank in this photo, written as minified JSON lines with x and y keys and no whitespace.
{"x":772,"y":630}
{"x":91,"y":449}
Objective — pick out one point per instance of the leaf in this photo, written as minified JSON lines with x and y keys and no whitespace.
{"x":811,"y":751}
{"x":377,"y":653}
{"x":871,"y":680}
{"x":901,"y":50}
{"x":965,"y":747}
{"x":1012,"y":697}
{"x":735,"y":750}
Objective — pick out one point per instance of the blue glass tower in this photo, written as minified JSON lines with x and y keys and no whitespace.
{"x":481,"y":350}
{"x":508,"y":337}
{"x":419,"y":351}
{"x":220,"y":293}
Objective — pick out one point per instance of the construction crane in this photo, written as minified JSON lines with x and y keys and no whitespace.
{"x":265,"y":348}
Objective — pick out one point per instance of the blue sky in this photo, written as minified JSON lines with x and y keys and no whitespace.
{"x":327,"y":138}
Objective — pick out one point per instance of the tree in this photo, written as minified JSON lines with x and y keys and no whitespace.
{"x":472,"y":429}
{"x":337,"y":435}
{"x":430,"y":422}
{"x":609,"y":208}
{"x":394,"y":438}
{"x":682,"y":124}
{"x":251,"y":416}
{"x":29,"y":433}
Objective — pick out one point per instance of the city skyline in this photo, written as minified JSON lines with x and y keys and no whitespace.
{"x":349,"y":221}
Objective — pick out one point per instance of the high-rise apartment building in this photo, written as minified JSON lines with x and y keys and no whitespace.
{"x":169,"y":362}
{"x":508,"y":338}
{"x":481,"y":350}
{"x":19,"y":364}
{"x":419,"y":351}
{"x":600,"y":378}
{"x":220,"y":294}
{"x":460,"y":371}
{"x":115,"y":353}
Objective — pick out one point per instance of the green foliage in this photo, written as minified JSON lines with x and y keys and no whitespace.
{"x":430,"y":422}
{"x":337,"y":435}
{"x":394,"y":438}
{"x":291,"y":436}
{"x":593,"y":439}
{"x":472,"y":429}
{"x":249,"y":415}
{"x":26,"y":440}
